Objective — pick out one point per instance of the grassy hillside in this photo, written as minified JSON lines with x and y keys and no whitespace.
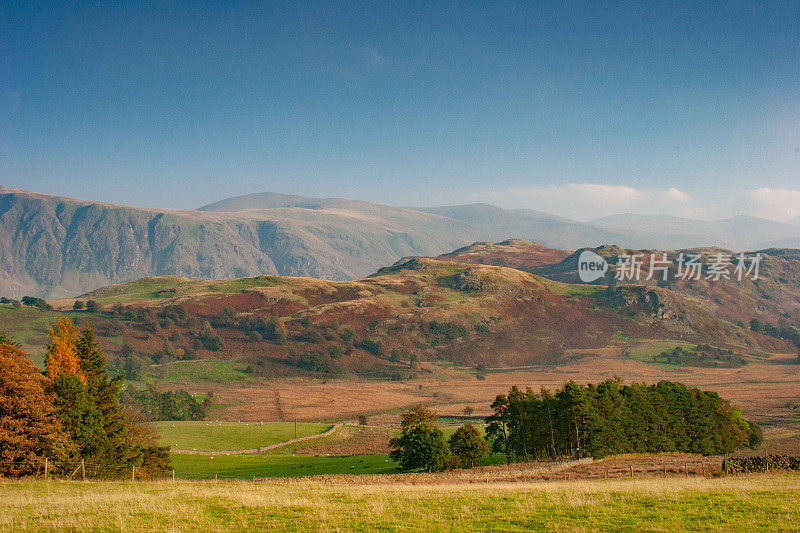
{"x":401,"y":322}
{"x":774,"y":298}
{"x":231,"y":435}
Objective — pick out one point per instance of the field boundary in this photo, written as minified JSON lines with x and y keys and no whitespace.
{"x":261,"y":449}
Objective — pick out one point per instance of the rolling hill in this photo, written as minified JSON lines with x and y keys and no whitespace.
{"x":774,"y":298}
{"x":418,"y":310}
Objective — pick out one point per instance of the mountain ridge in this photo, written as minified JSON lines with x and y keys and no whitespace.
{"x":57,"y":246}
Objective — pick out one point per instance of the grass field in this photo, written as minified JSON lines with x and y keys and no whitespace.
{"x":205,"y":436}
{"x":281,"y":464}
{"x":207,"y":370}
{"x":748,"y":503}
{"x":188,"y":466}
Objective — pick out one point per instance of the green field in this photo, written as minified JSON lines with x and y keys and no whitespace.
{"x":747,"y":503}
{"x":29,"y":327}
{"x":206,"y":436}
{"x":647,"y":351}
{"x":167,"y":287}
{"x":189,"y":466}
{"x":211,"y":370}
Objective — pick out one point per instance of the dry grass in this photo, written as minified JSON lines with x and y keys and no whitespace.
{"x":755,"y":503}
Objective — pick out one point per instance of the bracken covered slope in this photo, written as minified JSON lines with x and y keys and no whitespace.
{"x":416,"y":310}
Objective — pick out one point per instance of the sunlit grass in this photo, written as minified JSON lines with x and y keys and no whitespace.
{"x":231,"y":435}
{"x":749,"y":503}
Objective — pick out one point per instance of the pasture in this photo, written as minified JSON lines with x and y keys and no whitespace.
{"x":746,"y":503}
{"x":188,"y":466}
{"x":218,"y":435}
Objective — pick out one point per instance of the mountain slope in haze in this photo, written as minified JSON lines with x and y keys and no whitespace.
{"x":54,"y":246}
{"x":739,"y":232}
{"x":58,"y":246}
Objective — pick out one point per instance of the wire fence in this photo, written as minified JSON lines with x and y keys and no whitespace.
{"x":78,"y":469}
{"x":90,"y":470}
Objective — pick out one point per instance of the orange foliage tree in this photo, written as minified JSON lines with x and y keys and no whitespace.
{"x":29,"y":428}
{"x":62,"y":356}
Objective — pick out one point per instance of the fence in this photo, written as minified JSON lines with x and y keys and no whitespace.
{"x":761,"y":464}
{"x":617,"y":467}
{"x":78,"y":469}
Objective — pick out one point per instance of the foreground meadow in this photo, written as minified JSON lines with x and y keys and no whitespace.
{"x":751,"y":503}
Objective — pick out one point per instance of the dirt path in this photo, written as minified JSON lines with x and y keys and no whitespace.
{"x":254,"y":451}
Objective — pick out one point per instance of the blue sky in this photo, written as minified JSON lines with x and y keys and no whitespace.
{"x":581,"y":109}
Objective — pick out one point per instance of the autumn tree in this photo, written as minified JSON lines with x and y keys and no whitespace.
{"x":62,"y":357}
{"x":29,"y":429}
{"x":86,"y":401}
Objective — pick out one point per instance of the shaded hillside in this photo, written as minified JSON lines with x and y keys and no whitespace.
{"x":59,"y":246}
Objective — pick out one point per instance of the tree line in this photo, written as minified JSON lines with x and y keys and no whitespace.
{"x":68,"y":412}
{"x":611,"y":418}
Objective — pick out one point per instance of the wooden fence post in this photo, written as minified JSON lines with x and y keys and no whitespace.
{"x":45,"y":468}
{"x":173,"y":475}
{"x":133,"y":473}
{"x":631,"y":466}
{"x":83,"y":470}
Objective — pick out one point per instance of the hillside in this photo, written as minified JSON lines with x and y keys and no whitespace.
{"x":393,"y":323}
{"x":774,"y":298}
{"x":514,"y":253}
{"x":54,"y":246}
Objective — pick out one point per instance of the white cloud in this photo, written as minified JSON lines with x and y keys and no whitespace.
{"x":775,"y":204}
{"x":587,"y":201}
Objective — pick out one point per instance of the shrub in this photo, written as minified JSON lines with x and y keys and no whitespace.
{"x":372,"y":346}
{"x":335,"y":351}
{"x":447,"y":329}
{"x":39,"y":303}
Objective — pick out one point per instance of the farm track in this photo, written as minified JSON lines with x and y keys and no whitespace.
{"x":262,"y":449}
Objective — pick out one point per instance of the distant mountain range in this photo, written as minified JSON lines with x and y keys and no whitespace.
{"x":54,"y":246}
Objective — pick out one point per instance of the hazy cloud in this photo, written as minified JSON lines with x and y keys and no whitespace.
{"x":586,"y":201}
{"x":775,"y":204}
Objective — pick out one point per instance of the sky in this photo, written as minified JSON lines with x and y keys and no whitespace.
{"x":579,"y":109}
